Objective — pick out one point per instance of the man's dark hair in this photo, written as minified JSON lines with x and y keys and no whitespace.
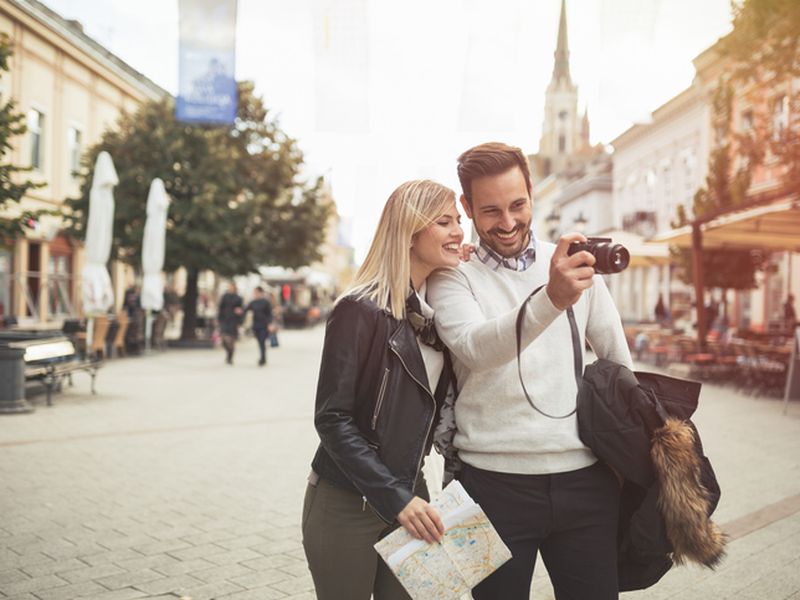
{"x":258,"y":288}
{"x":492,"y":158}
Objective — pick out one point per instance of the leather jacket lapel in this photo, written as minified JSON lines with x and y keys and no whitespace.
{"x":404,"y":343}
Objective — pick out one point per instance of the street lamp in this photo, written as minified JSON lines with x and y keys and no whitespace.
{"x":553,"y":220}
{"x":580,"y":222}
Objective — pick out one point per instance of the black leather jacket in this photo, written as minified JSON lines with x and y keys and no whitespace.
{"x":374,"y":411}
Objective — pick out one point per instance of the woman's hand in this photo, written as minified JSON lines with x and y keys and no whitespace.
{"x":421,"y":521}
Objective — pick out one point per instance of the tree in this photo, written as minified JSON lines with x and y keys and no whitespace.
{"x":237,"y":198}
{"x":763,"y":54}
{"x":12,"y":186}
{"x":725,"y":188}
{"x":764,"y":48}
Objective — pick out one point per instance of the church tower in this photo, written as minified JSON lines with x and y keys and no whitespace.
{"x":563,"y":132}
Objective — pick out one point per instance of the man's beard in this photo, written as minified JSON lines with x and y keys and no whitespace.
{"x":493,"y":242}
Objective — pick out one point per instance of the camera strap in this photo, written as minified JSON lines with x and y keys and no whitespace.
{"x":576,"y":350}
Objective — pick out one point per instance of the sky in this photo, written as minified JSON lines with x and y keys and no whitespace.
{"x":379,"y":92}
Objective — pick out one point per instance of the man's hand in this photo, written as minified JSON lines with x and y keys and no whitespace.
{"x":466,"y":250}
{"x":421,"y":520}
{"x":569,"y":275}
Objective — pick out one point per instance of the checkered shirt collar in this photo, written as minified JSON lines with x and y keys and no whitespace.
{"x":516,"y":263}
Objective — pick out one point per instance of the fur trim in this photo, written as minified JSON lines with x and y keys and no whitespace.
{"x":683,"y":501}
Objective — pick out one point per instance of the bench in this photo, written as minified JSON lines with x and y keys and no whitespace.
{"x":49,"y":360}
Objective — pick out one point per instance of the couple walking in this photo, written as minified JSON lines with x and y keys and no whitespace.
{"x":417,"y":328}
{"x":231,"y":315}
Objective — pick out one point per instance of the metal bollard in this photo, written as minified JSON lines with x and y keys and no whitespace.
{"x":12,"y":381}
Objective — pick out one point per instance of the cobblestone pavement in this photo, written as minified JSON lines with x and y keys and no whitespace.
{"x":184,"y":477}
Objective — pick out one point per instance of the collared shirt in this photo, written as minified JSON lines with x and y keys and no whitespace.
{"x":516,"y":263}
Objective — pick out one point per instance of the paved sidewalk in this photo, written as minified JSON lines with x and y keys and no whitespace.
{"x":184,"y":477}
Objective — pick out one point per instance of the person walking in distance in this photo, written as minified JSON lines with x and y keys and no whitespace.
{"x":229,"y":318}
{"x":789,"y":314}
{"x":543,"y":490}
{"x":262,"y":321}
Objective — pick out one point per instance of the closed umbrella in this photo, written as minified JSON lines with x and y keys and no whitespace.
{"x":153,"y":246}
{"x":97,"y":293}
{"x":153,"y":251}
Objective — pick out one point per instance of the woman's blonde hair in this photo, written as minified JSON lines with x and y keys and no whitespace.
{"x":386,"y":272}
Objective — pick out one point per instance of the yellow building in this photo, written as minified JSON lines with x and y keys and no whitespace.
{"x":71,"y":90}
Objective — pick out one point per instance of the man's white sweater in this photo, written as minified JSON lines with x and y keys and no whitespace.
{"x":476,"y":310}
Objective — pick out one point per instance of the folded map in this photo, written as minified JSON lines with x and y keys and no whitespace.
{"x":469,"y":552}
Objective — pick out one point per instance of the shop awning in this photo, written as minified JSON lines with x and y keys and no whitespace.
{"x":774,"y":226}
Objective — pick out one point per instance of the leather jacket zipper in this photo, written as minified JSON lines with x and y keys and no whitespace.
{"x":381,"y":394}
{"x":430,"y":421}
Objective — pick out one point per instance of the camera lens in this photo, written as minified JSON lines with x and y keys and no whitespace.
{"x":612,"y":258}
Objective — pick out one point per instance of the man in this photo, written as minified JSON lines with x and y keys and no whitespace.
{"x":541,"y":487}
{"x":262,"y":319}
{"x":229,"y":318}
{"x":789,"y":314}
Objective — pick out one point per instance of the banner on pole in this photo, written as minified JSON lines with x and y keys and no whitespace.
{"x":207,"y":61}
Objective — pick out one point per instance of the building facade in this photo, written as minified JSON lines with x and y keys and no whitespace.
{"x":70,"y":90}
{"x":762,"y":111}
{"x":657,"y":166}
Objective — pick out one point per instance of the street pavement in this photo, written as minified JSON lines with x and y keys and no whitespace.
{"x":183,"y":478}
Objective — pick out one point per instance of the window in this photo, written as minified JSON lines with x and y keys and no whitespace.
{"x":747,"y":121}
{"x":74,"y":151}
{"x":667,"y":202}
{"x":780,"y":115}
{"x":562,"y":144}
{"x":666,"y":177}
{"x":36,"y":130}
{"x":689,"y":175}
{"x":650,"y":188}
{"x":59,"y":281}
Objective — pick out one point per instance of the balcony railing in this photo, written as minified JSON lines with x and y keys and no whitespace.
{"x":641,"y":222}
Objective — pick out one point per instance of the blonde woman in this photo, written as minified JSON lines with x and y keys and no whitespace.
{"x":383,"y":377}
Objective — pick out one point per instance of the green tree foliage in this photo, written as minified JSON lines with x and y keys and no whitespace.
{"x":237,"y":198}
{"x":764,"y":48}
{"x":724,"y":190}
{"x":12,"y":186}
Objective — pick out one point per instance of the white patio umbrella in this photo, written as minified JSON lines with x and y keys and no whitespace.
{"x":97,"y":293}
{"x":153,"y":251}
{"x":153,"y":246}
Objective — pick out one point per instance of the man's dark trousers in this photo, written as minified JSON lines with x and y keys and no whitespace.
{"x":261,"y":336}
{"x":570,"y":518}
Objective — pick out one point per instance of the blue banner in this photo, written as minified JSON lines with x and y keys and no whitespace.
{"x":207,"y":62}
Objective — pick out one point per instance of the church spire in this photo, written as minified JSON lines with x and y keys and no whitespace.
{"x":561,"y":67}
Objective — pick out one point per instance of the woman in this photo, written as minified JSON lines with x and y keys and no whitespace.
{"x":382,"y":378}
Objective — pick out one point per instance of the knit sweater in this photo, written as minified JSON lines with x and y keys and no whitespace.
{"x":476,"y":310}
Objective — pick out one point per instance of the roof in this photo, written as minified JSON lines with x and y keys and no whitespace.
{"x":72,"y":31}
{"x":675,"y":106}
{"x":561,"y":66}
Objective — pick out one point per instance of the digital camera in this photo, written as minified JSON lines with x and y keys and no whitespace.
{"x":610,"y":257}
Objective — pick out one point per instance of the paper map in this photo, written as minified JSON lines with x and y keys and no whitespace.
{"x":470,"y":550}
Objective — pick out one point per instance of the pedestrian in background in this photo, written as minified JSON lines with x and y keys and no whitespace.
{"x":262,"y":320}
{"x":789,"y":314}
{"x":230,"y":317}
{"x":384,"y":374}
{"x":661,"y":312}
{"x":277,"y":323}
